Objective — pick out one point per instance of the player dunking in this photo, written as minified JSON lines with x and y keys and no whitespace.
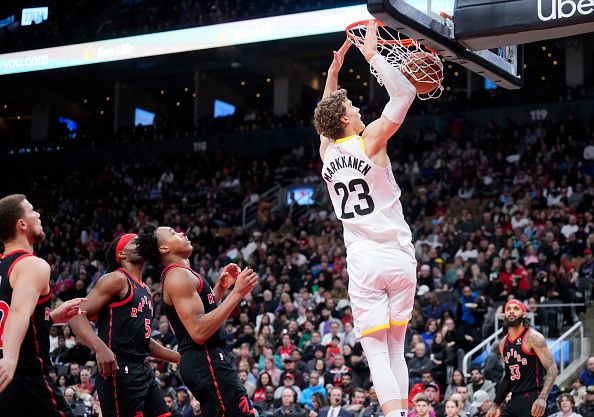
{"x":196,"y":317}
{"x":526,"y":360}
{"x":365,"y":196}
{"x":25,"y":318}
{"x":123,"y":305}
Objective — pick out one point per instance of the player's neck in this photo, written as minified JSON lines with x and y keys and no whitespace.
{"x":514,"y":332}
{"x":133,"y":269}
{"x":19,"y":243}
{"x":176,"y":259}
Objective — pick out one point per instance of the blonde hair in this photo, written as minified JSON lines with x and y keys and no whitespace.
{"x":328,"y":113}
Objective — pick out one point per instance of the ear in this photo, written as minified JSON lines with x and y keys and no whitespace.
{"x":345,"y":119}
{"x":164,"y":250}
{"x":21,"y":224}
{"x":121,"y":254}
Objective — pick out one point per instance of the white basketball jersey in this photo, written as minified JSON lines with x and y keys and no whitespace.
{"x":365,"y":196}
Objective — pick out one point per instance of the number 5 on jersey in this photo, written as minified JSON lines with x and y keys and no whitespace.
{"x":363,"y":195}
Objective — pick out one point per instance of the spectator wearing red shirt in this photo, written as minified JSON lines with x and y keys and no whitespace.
{"x":515,"y":278}
{"x":286,"y":349}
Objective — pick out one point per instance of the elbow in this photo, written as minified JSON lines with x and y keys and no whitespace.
{"x":199,"y":337}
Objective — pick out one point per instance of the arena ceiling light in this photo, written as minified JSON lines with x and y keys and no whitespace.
{"x":205,"y":37}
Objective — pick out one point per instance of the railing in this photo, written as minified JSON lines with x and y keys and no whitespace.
{"x":250,"y":209}
{"x":484,"y":344}
{"x":583,"y":348}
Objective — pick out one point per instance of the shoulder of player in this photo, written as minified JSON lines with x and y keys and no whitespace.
{"x":179,"y":278}
{"x":32,"y":263}
{"x":535,"y":339}
{"x":113,"y":281}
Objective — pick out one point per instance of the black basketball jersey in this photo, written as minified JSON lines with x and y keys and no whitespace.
{"x":184,"y":339}
{"x":34,"y":354}
{"x":125,"y":325}
{"x":524,"y":369}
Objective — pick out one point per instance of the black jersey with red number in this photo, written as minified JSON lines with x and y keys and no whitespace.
{"x":125,"y":325}
{"x":524,"y":369}
{"x":34,"y":354}
{"x":184,"y":339}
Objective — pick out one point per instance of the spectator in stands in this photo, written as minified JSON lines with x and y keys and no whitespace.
{"x":478,"y":382}
{"x":85,"y":386}
{"x":578,"y":391}
{"x":565,"y":404}
{"x":587,"y":408}
{"x":587,"y":375}
{"x":266,"y":406}
{"x":318,"y":402}
{"x":432,"y":394}
{"x":291,"y":368}
{"x":419,"y":364}
{"x":465,"y":409}
{"x":263,"y":381}
{"x":73,"y":374}
{"x":59,"y":354}
{"x":334,"y":374}
{"x":250,"y":388}
{"x":373,"y":409}
{"x":481,"y":402}
{"x":451,"y":409}
{"x":170,"y":402}
{"x":288,"y":382}
{"x":335,"y":408}
{"x":457,"y":380}
{"x":421,"y":407}
{"x":357,"y":402}
{"x":289,"y":406}
{"x":493,"y":368}
{"x":183,"y":400}
{"x":78,"y":408}
{"x":314,"y":387}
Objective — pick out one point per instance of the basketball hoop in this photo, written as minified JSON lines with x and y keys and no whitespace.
{"x":420,"y":64}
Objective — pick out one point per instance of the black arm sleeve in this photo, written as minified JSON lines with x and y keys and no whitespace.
{"x":503,"y":388}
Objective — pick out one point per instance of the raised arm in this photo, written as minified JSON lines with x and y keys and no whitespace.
{"x":332,"y":84}
{"x":30,"y":280}
{"x":226,"y":280}
{"x":538,"y":344}
{"x":109,"y":286}
{"x":401,"y":91}
{"x":181,"y":288}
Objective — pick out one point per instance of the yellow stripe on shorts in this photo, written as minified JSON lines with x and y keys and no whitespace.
{"x":375,"y":329}
{"x":398,"y":323}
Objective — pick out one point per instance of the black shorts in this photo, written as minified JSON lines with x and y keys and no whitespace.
{"x":133,"y":393}
{"x":33,"y":396}
{"x":520,"y":405}
{"x":212,"y":378}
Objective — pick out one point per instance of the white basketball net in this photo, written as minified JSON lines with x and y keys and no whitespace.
{"x":397,"y":51}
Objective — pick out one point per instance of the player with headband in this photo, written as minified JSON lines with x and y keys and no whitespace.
{"x":529,"y":367}
{"x":124,"y":309}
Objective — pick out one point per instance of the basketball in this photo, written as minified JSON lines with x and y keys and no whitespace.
{"x":424,"y":70}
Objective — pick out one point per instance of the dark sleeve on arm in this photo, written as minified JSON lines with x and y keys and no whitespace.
{"x":503,"y":388}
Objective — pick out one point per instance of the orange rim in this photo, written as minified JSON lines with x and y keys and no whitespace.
{"x":402,"y":42}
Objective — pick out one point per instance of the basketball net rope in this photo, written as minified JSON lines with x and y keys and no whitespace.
{"x":397,"y":51}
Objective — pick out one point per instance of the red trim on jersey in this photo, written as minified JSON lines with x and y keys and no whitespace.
{"x":47,"y":385}
{"x":44,"y":298}
{"x":216,"y":384}
{"x":115,"y":391}
{"x":125,"y":300}
{"x":5,"y":255}
{"x":138,"y":281}
{"x":169,"y":267}
{"x":165,"y":415}
{"x":523,"y":348}
{"x":512,"y":341}
{"x":25,"y":255}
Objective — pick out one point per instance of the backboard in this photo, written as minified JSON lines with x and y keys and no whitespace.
{"x":432,"y":22}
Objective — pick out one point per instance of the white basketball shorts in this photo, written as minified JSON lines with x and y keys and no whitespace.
{"x":382,"y":284}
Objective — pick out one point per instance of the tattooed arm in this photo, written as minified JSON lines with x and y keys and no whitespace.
{"x":537,"y":343}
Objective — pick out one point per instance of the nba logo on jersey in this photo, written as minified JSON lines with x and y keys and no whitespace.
{"x":211,"y":298}
{"x":47,"y":314}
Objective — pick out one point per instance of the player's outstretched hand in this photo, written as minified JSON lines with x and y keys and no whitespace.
{"x":539,"y":407}
{"x":68,"y":310}
{"x":107,"y":364}
{"x":370,"y":46}
{"x":246,"y":281}
{"x":339,"y":57}
{"x":229,"y":275}
{"x":7,"y":368}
